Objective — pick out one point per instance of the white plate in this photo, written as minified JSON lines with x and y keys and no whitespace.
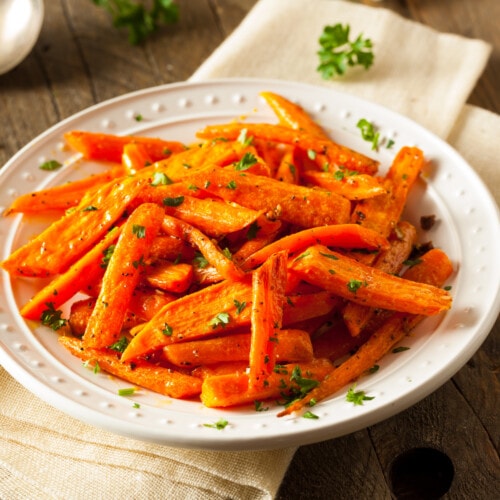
{"x":467,"y":229}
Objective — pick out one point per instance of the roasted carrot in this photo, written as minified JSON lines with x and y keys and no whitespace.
{"x":169,"y":276}
{"x":434,"y":269}
{"x":194,"y":316}
{"x":122,"y":276}
{"x":62,"y":197}
{"x":222,"y":262}
{"x":109,"y":147}
{"x":353,"y":187}
{"x":288,"y":169}
{"x":268,"y":297}
{"x":299,"y":205}
{"x":391,"y":260}
{"x":362,"y":284}
{"x":68,"y":238}
{"x":292,"y":115}
{"x":166,"y":381}
{"x":293,"y":346}
{"x":87,"y":270}
{"x":336,"y":154}
{"x":339,"y":235}
{"x":287,"y":381}
{"x":135,"y":157}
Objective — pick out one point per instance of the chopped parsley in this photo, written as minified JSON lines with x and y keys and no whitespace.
{"x":50,"y":165}
{"x":219,"y":425}
{"x":200,"y":261}
{"x":232,"y":184}
{"x":52,"y":318}
{"x":161,"y":179}
{"x":239,"y":306}
{"x":337,"y":52}
{"x":127,"y":391}
{"x":310,"y":414}
{"x":246,"y":162}
{"x":368,"y":133}
{"x":400,"y":349}
{"x":139,"y":231}
{"x":174,"y":201}
{"x":167,"y":330}
{"x":357,"y":397}
{"x":221,"y":319}
{"x":107,"y":255}
{"x":120,"y":345}
{"x":354,"y":285}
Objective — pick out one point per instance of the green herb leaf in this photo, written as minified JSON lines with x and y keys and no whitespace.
{"x":200,"y":261}
{"x":90,"y":208}
{"x":221,"y":319}
{"x":120,"y":345}
{"x":167,"y":330}
{"x":139,"y":231}
{"x":173,"y":202}
{"x":354,"y":285}
{"x":337,"y":52}
{"x":107,"y":255}
{"x":400,"y":349}
{"x":50,"y":165}
{"x":357,"y":397}
{"x":239,"y":306}
{"x":127,"y":391}
{"x":232,"y":184}
{"x":219,"y":425}
{"x":246,"y":162}
{"x":52,"y":318}
{"x":310,"y":414}
{"x":368,"y":132}
{"x":141,"y":19}
{"x":161,"y":179}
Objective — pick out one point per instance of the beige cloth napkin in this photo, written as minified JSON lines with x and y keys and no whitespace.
{"x":47,"y":454}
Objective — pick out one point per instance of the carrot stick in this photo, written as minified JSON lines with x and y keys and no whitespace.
{"x":135,"y":157}
{"x":166,"y":381}
{"x":299,"y":205}
{"x":194,"y":316}
{"x":226,"y":267}
{"x":355,"y":281}
{"x":108,"y":147}
{"x":292,"y":115}
{"x":85,"y":271}
{"x":356,"y":316}
{"x":170,"y":277}
{"x":268,"y":297}
{"x":122,"y":276}
{"x":293,"y":346}
{"x":233,"y":389}
{"x":288,"y":169}
{"x":335,"y":153}
{"x":306,"y":306}
{"x":382,"y":213}
{"x":340,"y":235}
{"x":62,"y":197}
{"x":434,"y":269}
{"x":213,"y":217}
{"x":352,"y":187}
{"x":68,"y":238}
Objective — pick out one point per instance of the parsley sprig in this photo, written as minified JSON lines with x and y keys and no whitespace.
{"x":337,"y":52}
{"x":137,"y":18}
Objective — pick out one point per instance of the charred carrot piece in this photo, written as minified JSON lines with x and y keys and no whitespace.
{"x":62,"y":197}
{"x":335,"y":153}
{"x":298,"y":205}
{"x":109,"y":147}
{"x":293,"y":345}
{"x":87,"y":270}
{"x":67,"y":239}
{"x":268,"y":297}
{"x":232,"y":389}
{"x":166,"y":381}
{"x":340,"y":235}
{"x":434,"y":269}
{"x":214,"y":217}
{"x":356,"y":316}
{"x":352,"y":187}
{"x":366,"y":285}
{"x":292,"y":115}
{"x":206,"y":312}
{"x":222,"y":262}
{"x":122,"y":276}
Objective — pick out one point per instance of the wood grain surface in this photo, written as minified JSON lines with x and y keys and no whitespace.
{"x":81,"y":60}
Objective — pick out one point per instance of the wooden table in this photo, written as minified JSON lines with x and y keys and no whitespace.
{"x":81,"y":60}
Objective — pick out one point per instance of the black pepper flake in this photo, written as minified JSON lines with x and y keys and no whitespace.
{"x":427,"y":222}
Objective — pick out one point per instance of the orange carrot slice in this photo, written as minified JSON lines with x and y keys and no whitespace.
{"x":268,"y":297}
{"x":122,"y":276}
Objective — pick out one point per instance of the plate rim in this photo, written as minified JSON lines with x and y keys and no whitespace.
{"x":222,"y":441}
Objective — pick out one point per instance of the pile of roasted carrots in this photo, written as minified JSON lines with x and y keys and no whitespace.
{"x":261,"y":263}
